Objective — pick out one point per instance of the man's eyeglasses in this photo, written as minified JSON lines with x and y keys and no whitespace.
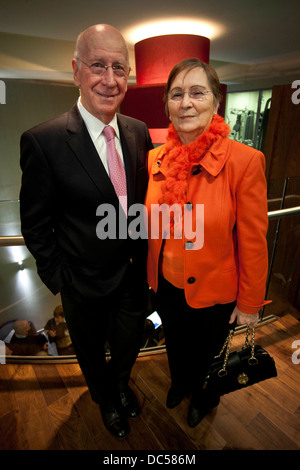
{"x":194,"y":93}
{"x":98,"y":68}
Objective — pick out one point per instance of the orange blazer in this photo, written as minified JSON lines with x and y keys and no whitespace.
{"x":232,"y":264}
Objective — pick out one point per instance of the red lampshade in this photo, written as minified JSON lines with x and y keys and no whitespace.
{"x":155,"y":57}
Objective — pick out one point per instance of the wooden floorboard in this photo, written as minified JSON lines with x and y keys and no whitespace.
{"x":48,"y":407}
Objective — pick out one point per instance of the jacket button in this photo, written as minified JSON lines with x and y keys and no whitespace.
{"x":191,"y":280}
{"x":189,"y":245}
{"x":196,"y":171}
{"x":189,"y":206}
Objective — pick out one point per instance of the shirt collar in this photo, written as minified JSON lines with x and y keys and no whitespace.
{"x":93,"y":124}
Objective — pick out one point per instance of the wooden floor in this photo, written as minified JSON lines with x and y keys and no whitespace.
{"x":48,"y":406}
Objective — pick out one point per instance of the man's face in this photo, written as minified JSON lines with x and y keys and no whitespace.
{"x":101,"y":95}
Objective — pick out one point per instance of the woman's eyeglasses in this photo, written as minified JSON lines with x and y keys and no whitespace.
{"x":194,"y":93}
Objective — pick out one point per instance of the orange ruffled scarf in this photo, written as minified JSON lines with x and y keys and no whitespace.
{"x":179,"y":158}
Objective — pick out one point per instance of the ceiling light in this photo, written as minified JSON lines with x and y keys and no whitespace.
{"x":21,"y":264}
{"x":208,"y":29}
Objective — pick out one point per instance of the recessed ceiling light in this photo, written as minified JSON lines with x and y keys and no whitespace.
{"x":208,"y":29}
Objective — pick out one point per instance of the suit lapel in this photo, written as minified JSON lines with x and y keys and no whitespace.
{"x":84,"y":149}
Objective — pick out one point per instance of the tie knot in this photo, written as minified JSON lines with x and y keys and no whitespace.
{"x":109,"y":133}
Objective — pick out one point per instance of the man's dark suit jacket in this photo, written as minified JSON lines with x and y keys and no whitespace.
{"x":63,"y":183}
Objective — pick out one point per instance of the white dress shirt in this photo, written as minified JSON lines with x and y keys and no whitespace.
{"x":95,"y":128}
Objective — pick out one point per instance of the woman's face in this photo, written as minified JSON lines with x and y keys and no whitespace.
{"x":191,"y":117}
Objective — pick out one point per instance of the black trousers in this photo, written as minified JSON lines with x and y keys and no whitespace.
{"x":193,"y":337}
{"x":118,"y":318}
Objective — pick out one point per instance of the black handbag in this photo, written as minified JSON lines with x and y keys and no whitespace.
{"x":230,"y":371}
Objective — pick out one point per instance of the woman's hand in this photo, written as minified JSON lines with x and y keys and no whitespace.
{"x":244,"y":318}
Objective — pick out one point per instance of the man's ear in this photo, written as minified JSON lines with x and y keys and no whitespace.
{"x":76,"y":78}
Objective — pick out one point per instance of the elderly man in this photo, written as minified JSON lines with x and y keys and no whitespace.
{"x":84,"y":160}
{"x":25,"y":341}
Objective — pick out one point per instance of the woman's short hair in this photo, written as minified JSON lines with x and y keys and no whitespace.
{"x":189,"y":64}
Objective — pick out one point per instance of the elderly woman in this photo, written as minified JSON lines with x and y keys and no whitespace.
{"x":203,"y":287}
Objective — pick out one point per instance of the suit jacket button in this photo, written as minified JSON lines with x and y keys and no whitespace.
{"x":191,"y":280}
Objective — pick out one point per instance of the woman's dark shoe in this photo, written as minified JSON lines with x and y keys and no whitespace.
{"x":196,"y":415}
{"x":174,"y":397}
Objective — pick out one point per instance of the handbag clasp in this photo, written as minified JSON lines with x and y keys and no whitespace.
{"x":243,"y":378}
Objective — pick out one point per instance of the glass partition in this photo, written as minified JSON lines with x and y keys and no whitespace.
{"x":247,"y":114}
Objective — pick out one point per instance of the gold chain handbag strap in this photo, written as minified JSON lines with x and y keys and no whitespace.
{"x":252,"y":360}
{"x":227,"y":345}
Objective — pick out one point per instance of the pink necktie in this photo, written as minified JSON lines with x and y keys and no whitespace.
{"x":116,"y":169}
